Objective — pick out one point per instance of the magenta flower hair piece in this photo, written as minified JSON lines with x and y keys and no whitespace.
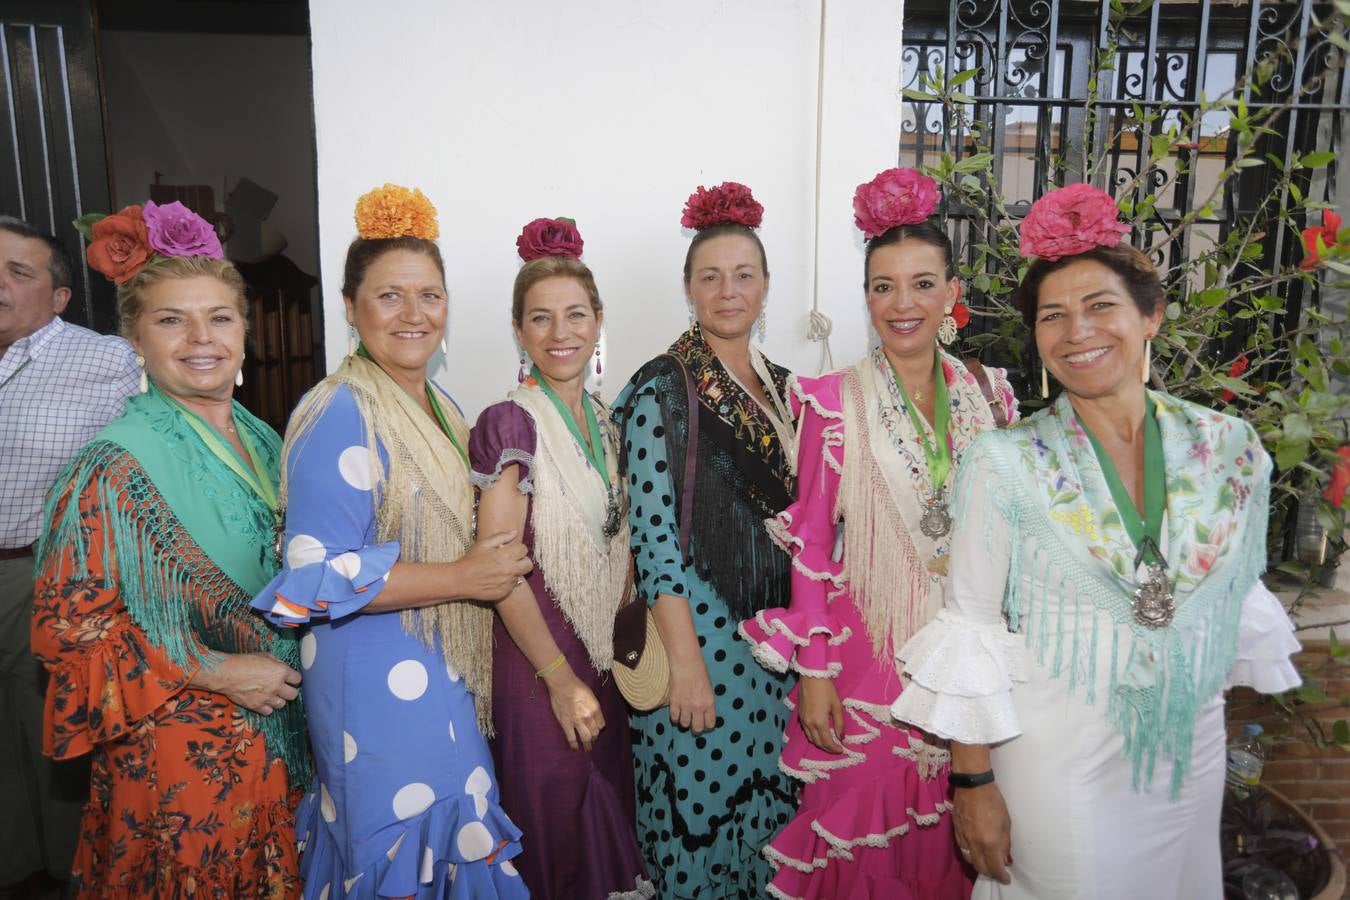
{"x":728,"y":203}
{"x":1071,"y":220}
{"x":895,"y":197}
{"x":175,"y":230}
{"x":549,"y":237}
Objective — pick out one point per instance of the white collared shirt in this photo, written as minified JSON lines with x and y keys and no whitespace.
{"x":58,"y":387}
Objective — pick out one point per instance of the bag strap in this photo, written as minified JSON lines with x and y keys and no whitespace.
{"x":976,"y":368}
{"x":690,"y":458}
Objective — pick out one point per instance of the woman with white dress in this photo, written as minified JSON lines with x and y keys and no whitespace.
{"x":1105,"y":590}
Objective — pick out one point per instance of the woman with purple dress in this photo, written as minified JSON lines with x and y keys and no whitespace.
{"x":546,"y":463}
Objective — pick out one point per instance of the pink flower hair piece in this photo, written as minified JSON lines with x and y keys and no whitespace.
{"x":549,"y":237}
{"x":728,"y":203}
{"x":175,"y":230}
{"x":895,"y":197}
{"x":1071,"y":220}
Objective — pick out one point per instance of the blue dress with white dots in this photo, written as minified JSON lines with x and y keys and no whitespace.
{"x":406,"y":799}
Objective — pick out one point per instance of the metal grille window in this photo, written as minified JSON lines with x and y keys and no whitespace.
{"x":1035,"y":85}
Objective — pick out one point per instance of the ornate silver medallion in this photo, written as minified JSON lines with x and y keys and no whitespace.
{"x":1153,"y":603}
{"x":936,"y":521}
{"x":613,"y":513}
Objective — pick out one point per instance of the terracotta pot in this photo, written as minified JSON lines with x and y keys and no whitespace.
{"x":1335,"y":886}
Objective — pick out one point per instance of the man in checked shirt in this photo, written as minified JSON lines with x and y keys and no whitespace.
{"x":59,"y":384}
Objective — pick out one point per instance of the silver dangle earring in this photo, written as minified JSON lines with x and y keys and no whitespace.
{"x":145,"y":379}
{"x":599,"y":370}
{"x":445,"y":344}
{"x":351,"y":339}
{"x":239,"y":376}
{"x":947,"y":329}
{"x":1045,"y":383}
{"x":763,"y":324}
{"x":520,"y":376}
{"x":1148,"y":360}
{"x":693,"y":319}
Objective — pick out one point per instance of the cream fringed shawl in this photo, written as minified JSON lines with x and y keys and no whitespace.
{"x":424,"y":501}
{"x":891,"y":567}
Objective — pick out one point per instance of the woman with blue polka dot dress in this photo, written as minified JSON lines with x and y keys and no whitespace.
{"x":707,"y":450}
{"x":381,"y":569}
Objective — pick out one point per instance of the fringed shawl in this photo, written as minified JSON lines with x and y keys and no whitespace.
{"x":1048,"y":485}
{"x":742,"y":473}
{"x":191,"y":542}
{"x":424,"y":501}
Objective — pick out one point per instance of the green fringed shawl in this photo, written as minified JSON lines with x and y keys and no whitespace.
{"x":192,"y":544}
{"x":1046,"y":482}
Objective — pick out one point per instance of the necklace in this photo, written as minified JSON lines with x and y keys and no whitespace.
{"x":936,"y":521}
{"x":594,"y":449}
{"x":1153,"y":603}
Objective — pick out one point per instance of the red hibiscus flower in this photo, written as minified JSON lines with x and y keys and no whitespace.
{"x":1235,"y":371}
{"x":1317,"y":240}
{"x":1340,"y":479}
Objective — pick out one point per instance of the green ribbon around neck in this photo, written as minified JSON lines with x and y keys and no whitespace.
{"x":595,"y":450}
{"x":254,"y":475}
{"x":939,"y":457}
{"x":1149,"y":526}
{"x":436,"y":411}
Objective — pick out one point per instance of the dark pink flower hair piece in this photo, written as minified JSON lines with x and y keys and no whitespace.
{"x":1071,"y":220}
{"x":728,"y":203}
{"x":895,"y":197}
{"x":549,"y":237}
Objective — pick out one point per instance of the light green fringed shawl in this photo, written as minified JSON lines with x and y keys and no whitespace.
{"x":178,"y":494}
{"x":1045,"y":479}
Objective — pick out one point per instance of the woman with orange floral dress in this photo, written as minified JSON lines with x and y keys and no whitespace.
{"x":157,"y":535}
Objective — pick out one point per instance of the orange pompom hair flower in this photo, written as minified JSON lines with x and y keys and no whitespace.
{"x":393,"y":211}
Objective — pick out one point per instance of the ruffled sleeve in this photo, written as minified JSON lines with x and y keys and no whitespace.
{"x":652,"y":514}
{"x":504,"y":436}
{"x":106,"y":675}
{"x":1265,"y":643}
{"x":806,"y":636}
{"x":964,"y":663}
{"x":333,"y":566}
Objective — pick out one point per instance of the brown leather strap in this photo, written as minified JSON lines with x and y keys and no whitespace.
{"x":996,"y":408}
{"x":16,"y":552}
{"x":690,"y":458}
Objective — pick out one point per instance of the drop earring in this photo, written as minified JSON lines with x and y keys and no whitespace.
{"x":763,"y":325}
{"x":946,"y":332}
{"x":598,"y":369}
{"x":239,"y":376}
{"x":520,"y":376}
{"x":1045,"y":382}
{"x":1148,"y":360}
{"x":145,"y":380}
{"x":351,"y":340}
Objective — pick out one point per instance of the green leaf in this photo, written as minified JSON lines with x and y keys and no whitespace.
{"x":1319,"y":159}
{"x":961,"y":78}
{"x":85,"y":224}
{"x":912,"y":94}
{"x":1236,"y":385}
{"x":1210,"y":297}
{"x":1295,"y":441}
{"x":1248,"y":162}
{"x":1340,"y":731}
{"x":1311,"y":692}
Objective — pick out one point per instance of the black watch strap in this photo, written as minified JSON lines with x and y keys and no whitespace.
{"x":963,"y":780}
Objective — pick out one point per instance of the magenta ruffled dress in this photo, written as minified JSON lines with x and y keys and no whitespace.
{"x":875,"y":820}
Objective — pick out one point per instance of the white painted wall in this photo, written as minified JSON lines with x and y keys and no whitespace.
{"x":230,"y":105}
{"x":611,"y":112}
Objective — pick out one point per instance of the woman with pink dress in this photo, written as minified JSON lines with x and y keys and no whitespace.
{"x":869,"y":535}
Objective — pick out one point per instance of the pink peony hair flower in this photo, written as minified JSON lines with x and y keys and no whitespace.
{"x":549,"y":237}
{"x":1071,"y":220}
{"x":175,"y":230}
{"x":895,"y":197}
{"x":728,"y":203}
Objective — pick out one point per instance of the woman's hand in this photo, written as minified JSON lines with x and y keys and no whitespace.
{"x":983,"y":830}
{"x":575,"y":708}
{"x":691,"y":696}
{"x":256,"y":681}
{"x":493,"y":567}
{"x":821,"y":713}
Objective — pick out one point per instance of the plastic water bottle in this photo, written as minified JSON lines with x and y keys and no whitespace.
{"x":1246,"y":759}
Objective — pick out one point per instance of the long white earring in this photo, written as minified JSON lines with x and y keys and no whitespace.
{"x":1045,"y":382}
{"x":1148,"y":360}
{"x":239,"y":376}
{"x":763,"y":324}
{"x":351,"y":339}
{"x":145,"y":380}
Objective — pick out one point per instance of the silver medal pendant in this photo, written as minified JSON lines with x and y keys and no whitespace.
{"x":613,"y":514}
{"x":936,"y":521}
{"x":1153,"y":603}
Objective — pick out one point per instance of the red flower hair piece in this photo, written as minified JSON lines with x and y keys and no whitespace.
{"x":549,"y":237}
{"x":1071,"y":220}
{"x":728,"y":203}
{"x":895,"y":197}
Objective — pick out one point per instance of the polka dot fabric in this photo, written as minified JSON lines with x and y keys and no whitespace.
{"x":407,"y":802}
{"x":706,"y":803}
